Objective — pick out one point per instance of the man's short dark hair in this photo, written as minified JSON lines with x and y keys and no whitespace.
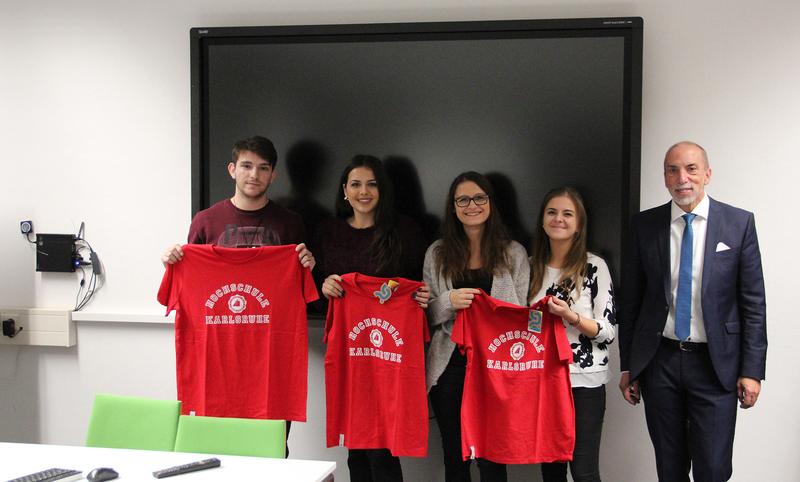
{"x":262,"y":146}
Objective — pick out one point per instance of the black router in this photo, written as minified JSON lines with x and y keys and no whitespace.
{"x":55,"y":252}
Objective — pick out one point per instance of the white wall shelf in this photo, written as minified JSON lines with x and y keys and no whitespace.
{"x":124,"y":317}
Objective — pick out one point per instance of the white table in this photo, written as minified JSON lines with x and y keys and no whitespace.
{"x":133,"y":465}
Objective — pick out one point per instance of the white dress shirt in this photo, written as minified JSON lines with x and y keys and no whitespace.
{"x":697,"y":331}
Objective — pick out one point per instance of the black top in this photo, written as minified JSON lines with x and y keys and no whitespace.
{"x":341,"y":249}
{"x":474,"y":279}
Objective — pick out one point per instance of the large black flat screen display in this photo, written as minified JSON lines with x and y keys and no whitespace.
{"x":537,"y":103}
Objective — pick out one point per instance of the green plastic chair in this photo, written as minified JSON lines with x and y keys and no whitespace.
{"x":133,"y":423}
{"x":231,"y":436}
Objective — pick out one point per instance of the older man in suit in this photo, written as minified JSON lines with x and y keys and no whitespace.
{"x":692,"y":322}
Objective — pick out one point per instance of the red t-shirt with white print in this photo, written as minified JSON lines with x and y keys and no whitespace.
{"x":375,"y":367}
{"x":517,"y":405}
{"x":241,"y":333}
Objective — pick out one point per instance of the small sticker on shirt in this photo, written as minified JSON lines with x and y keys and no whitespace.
{"x":535,"y":321}
{"x":341,"y":440}
{"x":386,"y":291}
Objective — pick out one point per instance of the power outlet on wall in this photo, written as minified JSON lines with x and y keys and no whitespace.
{"x":41,"y":327}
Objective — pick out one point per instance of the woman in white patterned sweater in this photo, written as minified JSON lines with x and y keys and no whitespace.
{"x":582,"y":295}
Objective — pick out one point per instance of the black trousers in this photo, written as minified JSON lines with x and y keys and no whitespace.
{"x":446,"y":402}
{"x":691,"y":417}
{"x":373,"y":465}
{"x":590,"y":406}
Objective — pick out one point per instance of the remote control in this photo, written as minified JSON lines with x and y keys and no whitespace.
{"x":191,"y":467}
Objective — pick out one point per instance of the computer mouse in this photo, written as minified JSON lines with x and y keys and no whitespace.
{"x":102,"y":473}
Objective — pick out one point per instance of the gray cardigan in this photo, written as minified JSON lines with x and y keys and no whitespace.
{"x":509,"y":286}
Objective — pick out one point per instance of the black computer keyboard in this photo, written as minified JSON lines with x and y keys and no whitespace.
{"x":62,"y":475}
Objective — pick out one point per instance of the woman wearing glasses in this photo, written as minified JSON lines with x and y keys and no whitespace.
{"x":474,"y":252}
{"x":582,"y":296}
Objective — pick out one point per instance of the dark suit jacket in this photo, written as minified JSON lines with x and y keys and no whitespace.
{"x":734,"y":308}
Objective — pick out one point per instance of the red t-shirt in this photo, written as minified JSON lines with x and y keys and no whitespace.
{"x":517,"y":404}
{"x":241,"y":334}
{"x":375,"y":367}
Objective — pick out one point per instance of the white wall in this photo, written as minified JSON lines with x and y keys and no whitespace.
{"x":94,"y":126}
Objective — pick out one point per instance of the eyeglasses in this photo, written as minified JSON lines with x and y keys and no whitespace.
{"x":479,"y":200}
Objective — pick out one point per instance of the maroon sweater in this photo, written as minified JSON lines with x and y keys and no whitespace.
{"x":226,"y":225}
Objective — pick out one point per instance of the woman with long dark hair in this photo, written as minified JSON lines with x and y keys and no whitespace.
{"x":582,"y":296}
{"x":368,"y":237}
{"x":475,"y":252}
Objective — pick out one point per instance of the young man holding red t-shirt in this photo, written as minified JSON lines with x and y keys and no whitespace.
{"x":248,"y":218}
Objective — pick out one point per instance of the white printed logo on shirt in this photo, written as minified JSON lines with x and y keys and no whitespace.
{"x":521,"y":339}
{"x":376,"y":338}
{"x":235,"y":297}
{"x":517,"y":350}
{"x":237,"y":303}
{"x":379,"y":331}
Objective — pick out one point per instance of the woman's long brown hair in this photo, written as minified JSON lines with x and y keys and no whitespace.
{"x":453,"y":253}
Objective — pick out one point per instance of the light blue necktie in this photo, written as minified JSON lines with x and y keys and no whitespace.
{"x":683,"y":305}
